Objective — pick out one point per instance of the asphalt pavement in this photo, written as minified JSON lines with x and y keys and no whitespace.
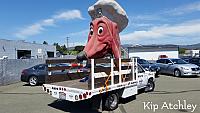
{"x":171,"y":95}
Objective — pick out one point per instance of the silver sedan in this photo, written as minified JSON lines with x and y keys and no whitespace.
{"x":177,"y":67}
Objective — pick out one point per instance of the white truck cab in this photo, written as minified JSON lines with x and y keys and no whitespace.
{"x":145,"y":79}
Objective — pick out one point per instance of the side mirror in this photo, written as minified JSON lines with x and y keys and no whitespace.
{"x":170,"y":63}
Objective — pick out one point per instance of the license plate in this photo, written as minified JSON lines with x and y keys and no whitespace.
{"x":62,"y":95}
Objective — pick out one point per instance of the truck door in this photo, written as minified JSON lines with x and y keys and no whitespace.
{"x":142,"y":77}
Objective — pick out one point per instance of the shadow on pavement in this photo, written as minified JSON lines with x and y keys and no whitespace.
{"x":128,"y":99}
{"x":72,"y":107}
{"x":176,"y":92}
{"x":26,"y":85}
{"x":190,"y":77}
{"x":83,"y":106}
{"x":22,"y":93}
{"x":157,"y":76}
{"x":180,"y":76}
{"x":32,"y":86}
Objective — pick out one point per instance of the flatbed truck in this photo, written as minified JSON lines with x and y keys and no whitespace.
{"x":118,"y":78}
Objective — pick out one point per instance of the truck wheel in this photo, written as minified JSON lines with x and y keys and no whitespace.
{"x":177,"y":73}
{"x":111,"y":102}
{"x":33,"y":81}
{"x":150,"y":86}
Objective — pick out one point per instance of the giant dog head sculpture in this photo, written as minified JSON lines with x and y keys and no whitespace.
{"x":103,"y":38}
{"x":108,"y":20}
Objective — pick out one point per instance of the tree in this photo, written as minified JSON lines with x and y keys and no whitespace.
{"x":79,"y":48}
{"x":45,"y":43}
{"x":63,"y":49}
{"x":182,"y":50}
{"x":58,"y":48}
{"x":55,"y":44}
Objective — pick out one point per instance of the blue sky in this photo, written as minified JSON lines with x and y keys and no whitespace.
{"x":150,"y":21}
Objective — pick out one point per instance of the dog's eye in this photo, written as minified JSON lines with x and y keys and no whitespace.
{"x":91,"y":31}
{"x":100,"y":30}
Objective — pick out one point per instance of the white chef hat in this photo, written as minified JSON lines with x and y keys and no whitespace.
{"x":112,"y":10}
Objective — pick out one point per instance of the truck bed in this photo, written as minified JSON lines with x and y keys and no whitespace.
{"x":72,"y":84}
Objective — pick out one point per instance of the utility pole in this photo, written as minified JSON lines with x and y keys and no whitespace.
{"x":67,"y":42}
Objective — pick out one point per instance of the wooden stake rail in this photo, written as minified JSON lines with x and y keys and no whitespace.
{"x":112,"y":75}
{"x":101,"y":72}
{"x":56,"y":61}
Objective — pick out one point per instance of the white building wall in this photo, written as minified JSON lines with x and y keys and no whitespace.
{"x":154,"y":55}
{"x":9,"y":48}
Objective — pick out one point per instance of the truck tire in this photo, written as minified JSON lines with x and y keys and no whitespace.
{"x":150,"y":86}
{"x":33,"y":81}
{"x":111,"y":102}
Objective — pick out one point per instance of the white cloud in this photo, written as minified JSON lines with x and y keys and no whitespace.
{"x":80,"y":33}
{"x":187,"y":29}
{"x":48,"y":22}
{"x":161,"y":15}
{"x":141,"y":25}
{"x":150,"y":27}
{"x":147,"y":17}
{"x":185,"y":9}
{"x":30,"y":30}
{"x":144,"y":20}
{"x":73,"y":14}
{"x":38,"y":27}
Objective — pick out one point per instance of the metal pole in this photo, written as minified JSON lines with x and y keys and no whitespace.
{"x":67,"y":42}
{"x":112,"y":72}
{"x":133,"y":68}
{"x":136,"y":65}
{"x":92,"y":73}
{"x":120,"y":70}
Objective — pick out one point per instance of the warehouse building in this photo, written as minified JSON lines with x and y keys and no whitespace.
{"x":22,"y":50}
{"x":154,"y":52}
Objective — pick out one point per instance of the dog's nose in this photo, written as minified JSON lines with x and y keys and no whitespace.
{"x":81,"y":56}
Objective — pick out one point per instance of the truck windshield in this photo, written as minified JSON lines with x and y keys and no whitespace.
{"x":178,"y":61}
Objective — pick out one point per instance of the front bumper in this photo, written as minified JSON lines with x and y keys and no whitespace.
{"x":190,"y":73}
{"x":24,"y":78}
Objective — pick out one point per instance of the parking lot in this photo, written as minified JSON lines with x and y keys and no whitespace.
{"x":21,"y":98}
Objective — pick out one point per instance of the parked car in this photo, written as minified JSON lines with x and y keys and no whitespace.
{"x":177,"y":67}
{"x":36,"y":74}
{"x":195,"y":60}
{"x":149,"y":66}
